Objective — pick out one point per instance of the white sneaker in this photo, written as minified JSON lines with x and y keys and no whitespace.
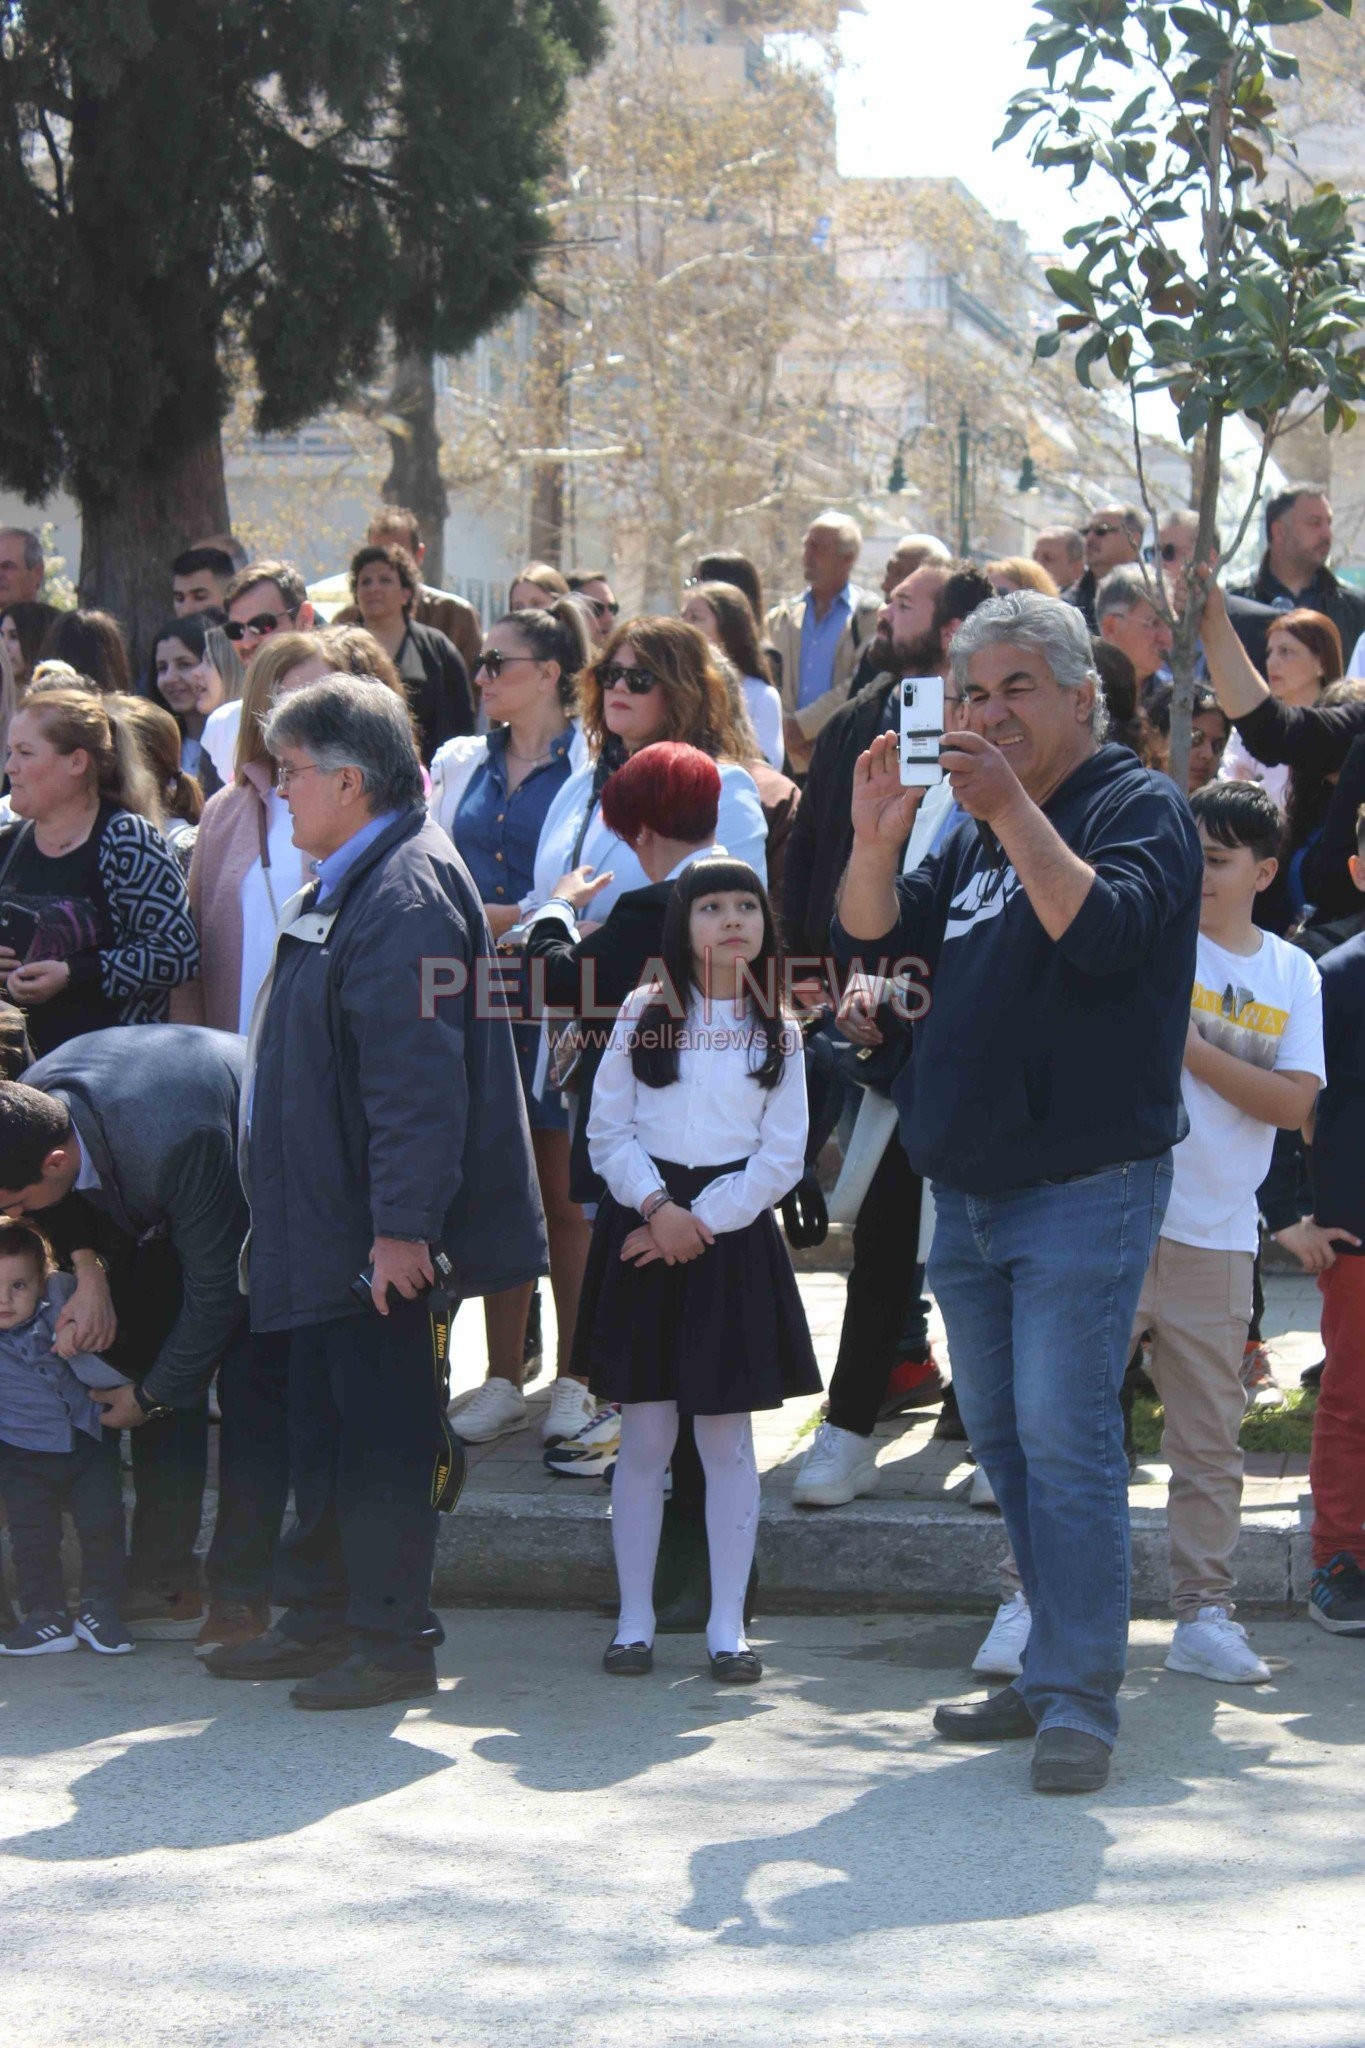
{"x":587,"y":1455}
{"x":838,"y":1467}
{"x":1215,"y":1646}
{"x":982,"y":1493}
{"x":571,"y":1407}
{"x":1002,"y":1653}
{"x":1263,"y":1390}
{"x":492,"y":1410}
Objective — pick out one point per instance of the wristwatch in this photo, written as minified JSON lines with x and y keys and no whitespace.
{"x":153,"y":1410}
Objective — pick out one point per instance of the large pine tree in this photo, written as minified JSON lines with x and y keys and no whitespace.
{"x":183,"y":181}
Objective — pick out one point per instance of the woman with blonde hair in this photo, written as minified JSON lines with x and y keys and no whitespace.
{"x":95,"y":922}
{"x":1017,"y":572}
{"x":656,"y":679}
{"x":179,"y":798}
{"x":535,"y":588}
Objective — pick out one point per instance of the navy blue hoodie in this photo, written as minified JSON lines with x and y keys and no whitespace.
{"x":1339,"y":1130}
{"x":1040,"y":1057}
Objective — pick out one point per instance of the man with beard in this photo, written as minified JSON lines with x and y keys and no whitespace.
{"x":884,"y":1363}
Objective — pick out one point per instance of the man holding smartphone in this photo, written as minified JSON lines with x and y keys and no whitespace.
{"x":383,"y":1132}
{"x":1061,"y":950}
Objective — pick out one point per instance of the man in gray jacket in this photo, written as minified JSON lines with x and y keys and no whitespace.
{"x":122,"y":1144}
{"x":388,"y":1165}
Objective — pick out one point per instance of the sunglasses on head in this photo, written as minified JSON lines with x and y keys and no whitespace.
{"x":263,"y":623}
{"x":639,"y":681}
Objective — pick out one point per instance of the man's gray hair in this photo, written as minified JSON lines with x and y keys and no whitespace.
{"x":344,"y":722}
{"x":1121,"y":589}
{"x":848,"y":530}
{"x":33,"y":547}
{"x":1045,"y":625}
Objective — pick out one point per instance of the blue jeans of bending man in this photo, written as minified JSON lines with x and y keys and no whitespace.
{"x":1038,"y":1288}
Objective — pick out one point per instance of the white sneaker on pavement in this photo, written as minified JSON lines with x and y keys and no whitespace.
{"x":587,"y":1455}
{"x":1263,"y":1390}
{"x":492,"y":1410}
{"x":571,"y":1406}
{"x":1215,"y":1646}
{"x":1002,"y":1653}
{"x":838,"y":1467}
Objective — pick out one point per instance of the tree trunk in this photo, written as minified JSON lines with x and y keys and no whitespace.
{"x":129,"y":541}
{"x":414,"y":477}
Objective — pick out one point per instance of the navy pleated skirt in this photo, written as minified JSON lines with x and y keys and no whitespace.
{"x":722,"y":1335}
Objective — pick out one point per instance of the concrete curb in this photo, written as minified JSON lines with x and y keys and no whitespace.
{"x":889,"y":1556}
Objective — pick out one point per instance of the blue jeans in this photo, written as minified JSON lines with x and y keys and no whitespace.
{"x":1038,"y":1289}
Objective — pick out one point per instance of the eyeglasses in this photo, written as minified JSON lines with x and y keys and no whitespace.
{"x":263,"y":623}
{"x":639,"y":681}
{"x":492,"y":664}
{"x":603,"y":607}
{"x":1099,"y":532}
{"x":284,"y":776}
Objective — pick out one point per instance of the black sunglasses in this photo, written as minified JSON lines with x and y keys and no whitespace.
{"x":639,"y":681}
{"x":492,"y":664}
{"x":263,"y":623}
{"x":603,"y":608}
{"x":1099,"y":532}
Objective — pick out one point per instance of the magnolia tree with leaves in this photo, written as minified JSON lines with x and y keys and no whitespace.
{"x":1207,"y":276}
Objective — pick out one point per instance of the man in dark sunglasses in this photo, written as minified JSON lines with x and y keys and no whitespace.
{"x":266,"y":598}
{"x":1175,"y":551}
{"x":1112,"y":536}
{"x":595,"y":590}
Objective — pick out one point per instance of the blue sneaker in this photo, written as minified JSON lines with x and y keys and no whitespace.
{"x":1336,"y":1598}
{"x":42,"y":1634}
{"x":103,"y":1629}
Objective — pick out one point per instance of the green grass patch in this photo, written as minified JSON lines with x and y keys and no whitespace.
{"x":1265,"y":1429}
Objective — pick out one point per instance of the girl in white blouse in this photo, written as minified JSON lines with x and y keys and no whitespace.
{"x":698,"y":1128}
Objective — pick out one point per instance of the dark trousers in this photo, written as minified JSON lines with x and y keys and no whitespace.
{"x":885,"y":1316}
{"x":366,"y":1428}
{"x":170,"y":1454}
{"x":253,"y":1467}
{"x":86,"y":1482}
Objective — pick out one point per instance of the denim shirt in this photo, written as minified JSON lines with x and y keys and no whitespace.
{"x":496,"y":829}
{"x":41,"y":1400}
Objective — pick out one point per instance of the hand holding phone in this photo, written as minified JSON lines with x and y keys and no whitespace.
{"x":921,"y":731}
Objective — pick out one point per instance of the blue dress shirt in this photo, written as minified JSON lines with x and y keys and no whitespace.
{"x":819,"y":643}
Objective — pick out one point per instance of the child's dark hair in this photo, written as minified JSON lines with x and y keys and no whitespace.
{"x":1240,"y":814}
{"x":26,"y":1241}
{"x":654,"y":1052}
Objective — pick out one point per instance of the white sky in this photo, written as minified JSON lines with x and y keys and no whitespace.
{"x":923,"y":94}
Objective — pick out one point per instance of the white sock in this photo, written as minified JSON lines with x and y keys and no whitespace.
{"x":649,"y":1430}
{"x":725,"y":1444}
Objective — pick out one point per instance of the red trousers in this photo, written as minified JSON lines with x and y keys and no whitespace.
{"x":1337,"y":1466}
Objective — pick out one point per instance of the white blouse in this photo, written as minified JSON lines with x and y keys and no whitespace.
{"x":764,"y":706}
{"x":714,"y":1111}
{"x":741,"y":827}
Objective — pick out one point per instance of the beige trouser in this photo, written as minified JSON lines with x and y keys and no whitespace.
{"x":1197,"y":1306}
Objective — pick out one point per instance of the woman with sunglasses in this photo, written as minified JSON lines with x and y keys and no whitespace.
{"x":491,"y":793}
{"x":656,"y":679}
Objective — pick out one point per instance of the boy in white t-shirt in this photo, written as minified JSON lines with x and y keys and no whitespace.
{"x":1253,"y":1063}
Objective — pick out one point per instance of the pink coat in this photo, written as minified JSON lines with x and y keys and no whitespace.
{"x":230,"y":836}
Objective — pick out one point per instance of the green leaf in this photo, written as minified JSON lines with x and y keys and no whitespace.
{"x":1087,"y":355}
{"x":1071,"y":288}
{"x":1047,"y":345}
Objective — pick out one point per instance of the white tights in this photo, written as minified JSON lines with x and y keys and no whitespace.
{"x":725,"y":1444}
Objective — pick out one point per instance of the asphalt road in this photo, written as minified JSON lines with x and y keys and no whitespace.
{"x":540,"y":1855}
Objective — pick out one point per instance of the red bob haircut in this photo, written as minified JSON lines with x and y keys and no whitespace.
{"x":672,"y":788}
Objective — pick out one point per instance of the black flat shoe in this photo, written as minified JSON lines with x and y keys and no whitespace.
{"x":1001,"y":1718}
{"x":1069,"y":1760}
{"x":275,"y":1655}
{"x":360,"y":1682}
{"x":628,"y":1660}
{"x":736,"y":1667}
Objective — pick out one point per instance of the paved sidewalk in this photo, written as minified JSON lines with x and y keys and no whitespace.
{"x":523,"y":1532}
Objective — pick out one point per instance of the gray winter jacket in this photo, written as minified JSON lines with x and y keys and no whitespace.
{"x":155,"y":1109}
{"x":369,"y":1118}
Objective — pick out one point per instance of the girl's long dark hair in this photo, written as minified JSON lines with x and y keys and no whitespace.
{"x":654,"y":1051}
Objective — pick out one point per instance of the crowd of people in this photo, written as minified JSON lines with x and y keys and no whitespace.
{"x":356,"y":968}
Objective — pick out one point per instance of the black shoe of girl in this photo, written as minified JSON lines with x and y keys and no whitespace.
{"x":735,"y":1667}
{"x":628,"y":1660}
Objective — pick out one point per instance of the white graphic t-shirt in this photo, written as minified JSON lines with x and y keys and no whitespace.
{"x":1265,"y":1007}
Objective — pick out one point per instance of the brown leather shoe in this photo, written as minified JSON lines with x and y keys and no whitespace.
{"x":230,"y":1622}
{"x":155,"y":1615}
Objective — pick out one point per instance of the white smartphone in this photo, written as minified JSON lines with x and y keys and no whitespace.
{"x":921,"y":731}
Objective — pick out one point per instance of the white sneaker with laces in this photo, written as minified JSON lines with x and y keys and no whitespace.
{"x":1002,"y":1653}
{"x":587,"y":1455}
{"x":495,"y":1409}
{"x":838,"y":1467}
{"x":571,"y":1407}
{"x":1215,"y":1646}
